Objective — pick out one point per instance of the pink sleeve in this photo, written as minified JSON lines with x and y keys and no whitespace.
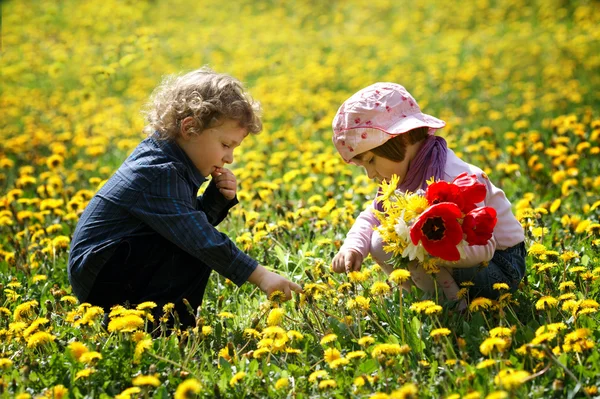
{"x":474,"y":255}
{"x":359,"y":237}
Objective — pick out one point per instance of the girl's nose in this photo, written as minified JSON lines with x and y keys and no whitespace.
{"x":228,"y":158}
{"x":370,"y":172}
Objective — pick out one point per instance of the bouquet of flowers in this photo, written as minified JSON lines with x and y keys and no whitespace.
{"x":435,"y":224}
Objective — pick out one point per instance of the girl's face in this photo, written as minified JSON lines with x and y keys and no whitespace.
{"x":379,"y":168}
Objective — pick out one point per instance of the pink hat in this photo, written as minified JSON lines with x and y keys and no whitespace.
{"x":376,"y":114}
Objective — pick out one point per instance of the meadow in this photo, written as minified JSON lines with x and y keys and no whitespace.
{"x":517,"y":83}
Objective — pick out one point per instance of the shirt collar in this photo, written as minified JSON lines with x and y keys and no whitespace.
{"x":170,"y":147}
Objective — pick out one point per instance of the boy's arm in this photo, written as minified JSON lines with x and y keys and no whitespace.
{"x":214,"y":204}
{"x":166,"y":206}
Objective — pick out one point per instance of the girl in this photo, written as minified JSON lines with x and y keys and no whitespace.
{"x":382,"y":129}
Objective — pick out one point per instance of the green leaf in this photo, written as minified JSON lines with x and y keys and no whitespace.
{"x":585,"y":260}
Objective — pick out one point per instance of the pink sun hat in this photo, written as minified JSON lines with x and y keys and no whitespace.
{"x":376,"y":114}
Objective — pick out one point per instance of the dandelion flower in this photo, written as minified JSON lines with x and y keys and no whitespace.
{"x":399,"y":276}
{"x":510,"y":379}
{"x":331,"y":354}
{"x":546,"y":302}
{"x":188,"y":388}
{"x":439,"y":332}
{"x":325,"y":384}
{"x":143,"y":380}
{"x":479,"y":304}
{"x":140,"y":348}
{"x":282,"y":383}
{"x":84,"y":373}
{"x":366,"y":341}
{"x":77,"y":349}
{"x":275,"y":316}
{"x":380,"y":288}
{"x":328,"y":339}
{"x":491,"y":344}
{"x":317,"y":375}
{"x":356,"y":355}
{"x":90,"y":357}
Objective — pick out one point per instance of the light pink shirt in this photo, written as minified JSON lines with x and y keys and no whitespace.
{"x":507,"y":233}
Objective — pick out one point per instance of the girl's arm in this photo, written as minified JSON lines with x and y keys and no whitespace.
{"x":359,"y":237}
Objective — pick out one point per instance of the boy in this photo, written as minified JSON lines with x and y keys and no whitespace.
{"x":145,"y":236}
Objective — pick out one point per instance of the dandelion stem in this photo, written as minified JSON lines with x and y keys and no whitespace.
{"x":551,"y":356}
{"x":174,"y":364}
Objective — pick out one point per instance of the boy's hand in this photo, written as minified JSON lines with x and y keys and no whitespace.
{"x":226,"y":182}
{"x":269,"y":282}
{"x":346,"y":261}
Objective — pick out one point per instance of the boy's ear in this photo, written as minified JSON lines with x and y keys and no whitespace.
{"x":187,"y":125}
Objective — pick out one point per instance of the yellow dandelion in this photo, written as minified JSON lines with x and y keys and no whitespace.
{"x":356,"y":355}
{"x":275,"y":316}
{"x":325,"y":384}
{"x":546,"y":302}
{"x":317,"y":375}
{"x":146,"y":380}
{"x":380,"y":288}
{"x":491,"y":344}
{"x":188,"y":389}
{"x":142,"y":346}
{"x":366,"y":341}
{"x":146,"y":305}
{"x":226,"y":315}
{"x":501,"y":332}
{"x":328,"y":339}
{"x":479,"y":304}
{"x":331,"y":354}
{"x":399,"y":276}
{"x":77,"y":349}
{"x":90,"y":357}
{"x":341,"y":362}
{"x":407,"y":391}
{"x":439,"y":332}
{"x":5,"y":363}
{"x":127,"y":323}
{"x":357,"y":277}
{"x":39,"y":338}
{"x":84,"y":373}
{"x":485,"y":364}
{"x":511,"y":379}
{"x":282,"y":383}
{"x":501,"y":286}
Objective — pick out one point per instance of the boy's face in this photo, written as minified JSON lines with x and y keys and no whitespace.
{"x":213,"y":148}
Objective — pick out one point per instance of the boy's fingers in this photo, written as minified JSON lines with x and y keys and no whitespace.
{"x":288,"y":293}
{"x":229,"y":194}
{"x":296,"y":287}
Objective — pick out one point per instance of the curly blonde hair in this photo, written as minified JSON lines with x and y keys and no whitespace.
{"x":205,"y":95}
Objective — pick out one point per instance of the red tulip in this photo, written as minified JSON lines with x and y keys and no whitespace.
{"x":439,"y":231}
{"x":442,"y":191}
{"x":479,"y":224}
{"x":471,"y":189}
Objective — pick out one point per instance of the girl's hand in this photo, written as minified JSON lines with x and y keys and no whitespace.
{"x":270,"y":282}
{"x":347,"y":261}
{"x":226,"y":182}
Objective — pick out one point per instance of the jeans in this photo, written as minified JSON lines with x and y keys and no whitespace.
{"x":151,"y":268}
{"x":506,"y":266}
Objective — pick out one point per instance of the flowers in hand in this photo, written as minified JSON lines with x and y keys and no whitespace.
{"x":437,"y":223}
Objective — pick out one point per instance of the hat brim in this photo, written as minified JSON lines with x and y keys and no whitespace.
{"x":414,"y":121}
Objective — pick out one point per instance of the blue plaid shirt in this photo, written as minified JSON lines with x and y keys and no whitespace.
{"x":154,"y":191}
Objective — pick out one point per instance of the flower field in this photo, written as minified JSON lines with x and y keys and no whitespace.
{"x":517,"y":83}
